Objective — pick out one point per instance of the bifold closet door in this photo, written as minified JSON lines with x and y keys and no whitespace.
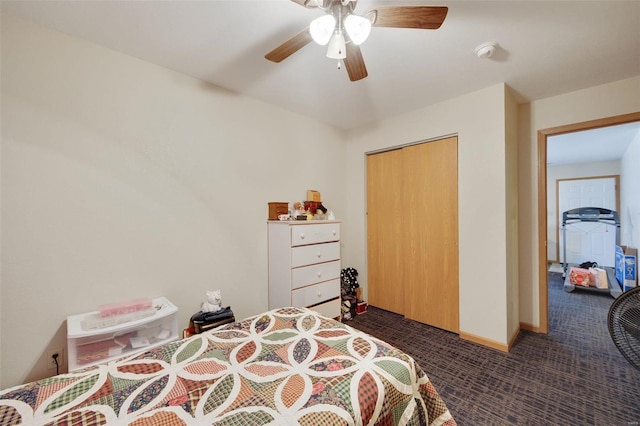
{"x":430,"y":229}
{"x":385,"y":210}
{"x":412,"y":232}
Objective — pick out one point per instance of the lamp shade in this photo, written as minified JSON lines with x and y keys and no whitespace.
{"x":322,"y":28}
{"x":337,"y":46}
{"x":358,"y":28}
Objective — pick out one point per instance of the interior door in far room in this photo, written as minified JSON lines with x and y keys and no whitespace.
{"x":587,"y":241}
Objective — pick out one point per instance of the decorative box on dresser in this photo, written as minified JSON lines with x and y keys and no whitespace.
{"x":304,"y":265}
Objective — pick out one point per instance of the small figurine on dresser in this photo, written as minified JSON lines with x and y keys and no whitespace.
{"x":298,"y":210}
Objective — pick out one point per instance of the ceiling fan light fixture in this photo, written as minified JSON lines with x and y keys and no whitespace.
{"x":337,"y":48}
{"x":331,"y":30}
{"x":321,"y":29}
{"x":358,"y":28}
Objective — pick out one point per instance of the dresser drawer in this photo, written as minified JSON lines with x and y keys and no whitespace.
{"x":317,"y":253}
{"x":314,"y":234}
{"x":330,"y":309}
{"x":316,"y":293}
{"x":308,"y":275}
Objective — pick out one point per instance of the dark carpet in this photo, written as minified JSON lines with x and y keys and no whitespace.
{"x":572,"y":376}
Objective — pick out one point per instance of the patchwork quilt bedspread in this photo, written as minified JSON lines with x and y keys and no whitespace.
{"x":284,"y":367}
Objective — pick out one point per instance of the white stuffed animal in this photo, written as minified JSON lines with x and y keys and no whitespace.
{"x":213,"y":302}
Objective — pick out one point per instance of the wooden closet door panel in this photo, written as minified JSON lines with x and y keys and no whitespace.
{"x":430,"y":253}
{"x":384,"y":239}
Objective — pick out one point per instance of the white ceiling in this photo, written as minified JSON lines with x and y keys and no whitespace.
{"x":603,"y":144}
{"x":546,"y":48}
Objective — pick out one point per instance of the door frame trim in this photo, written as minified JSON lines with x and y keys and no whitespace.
{"x":543,"y":134}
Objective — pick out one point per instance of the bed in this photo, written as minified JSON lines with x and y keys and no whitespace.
{"x":288,"y":366}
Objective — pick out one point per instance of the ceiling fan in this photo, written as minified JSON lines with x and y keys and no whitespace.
{"x":343,"y":31}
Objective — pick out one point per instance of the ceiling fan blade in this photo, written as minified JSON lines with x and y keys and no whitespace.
{"x":290,"y":46}
{"x":355,"y":63}
{"x":419,"y":17}
{"x":308,"y":3}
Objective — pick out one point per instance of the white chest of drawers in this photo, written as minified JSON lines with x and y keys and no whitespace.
{"x":304,"y":265}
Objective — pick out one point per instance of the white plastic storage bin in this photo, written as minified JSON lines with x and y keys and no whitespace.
{"x":90,"y":347}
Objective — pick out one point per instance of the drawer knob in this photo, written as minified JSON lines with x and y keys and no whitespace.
{"x":319,"y":274}
{"x":319,"y":294}
{"x":334,"y":232}
{"x":302,"y":236}
{"x":319,"y":255}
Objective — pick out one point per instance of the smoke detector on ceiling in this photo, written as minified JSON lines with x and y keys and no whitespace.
{"x":486,"y":50}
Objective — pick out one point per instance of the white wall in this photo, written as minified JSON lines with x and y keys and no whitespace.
{"x":122,"y":179}
{"x":479,"y":120}
{"x":630,"y":195}
{"x":569,"y":171}
{"x":617,"y":98}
